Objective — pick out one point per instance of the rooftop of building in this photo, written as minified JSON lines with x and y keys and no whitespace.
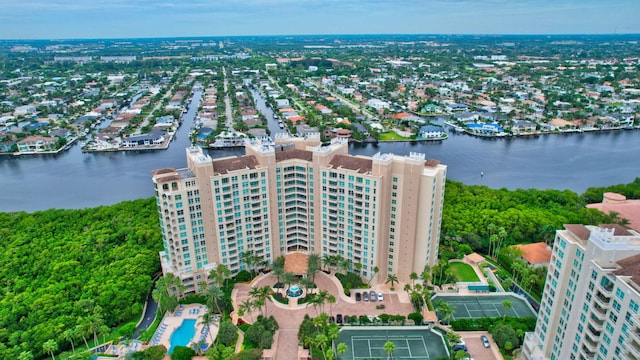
{"x":630,"y":267}
{"x":536,"y":253}
{"x":289,"y":154}
{"x":359,"y":164}
{"x":224,"y":166}
{"x":619,"y":204}
{"x":296,"y":263}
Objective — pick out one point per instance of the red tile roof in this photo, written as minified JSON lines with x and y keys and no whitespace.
{"x":536,"y":253}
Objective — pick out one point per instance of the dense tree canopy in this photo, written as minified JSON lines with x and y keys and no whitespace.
{"x":526,"y":215}
{"x":73,"y":269}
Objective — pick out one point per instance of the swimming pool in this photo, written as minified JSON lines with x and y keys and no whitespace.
{"x":183,"y":334}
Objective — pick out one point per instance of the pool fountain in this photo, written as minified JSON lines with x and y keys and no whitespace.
{"x":294,"y":291}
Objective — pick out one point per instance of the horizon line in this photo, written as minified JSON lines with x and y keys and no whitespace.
{"x":319,"y":34}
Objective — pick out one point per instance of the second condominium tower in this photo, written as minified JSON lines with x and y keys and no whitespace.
{"x":298,"y":195}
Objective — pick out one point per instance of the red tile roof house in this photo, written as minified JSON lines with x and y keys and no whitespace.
{"x":536,"y":254}
{"x":33,"y":144}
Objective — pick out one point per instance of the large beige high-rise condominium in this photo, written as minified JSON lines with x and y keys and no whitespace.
{"x":591,"y":297}
{"x":298,"y":195}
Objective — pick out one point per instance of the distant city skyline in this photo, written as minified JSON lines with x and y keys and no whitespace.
{"x":77,"y":19}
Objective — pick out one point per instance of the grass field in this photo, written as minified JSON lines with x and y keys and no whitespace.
{"x":463,"y":272}
{"x":390,"y":136}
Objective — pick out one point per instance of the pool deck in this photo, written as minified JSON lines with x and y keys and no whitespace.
{"x":172,"y":321}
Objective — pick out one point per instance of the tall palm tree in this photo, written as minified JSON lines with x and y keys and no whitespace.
{"x":306,"y":283}
{"x":69,"y":335}
{"x":507,"y":305}
{"x":389,"y":348}
{"x":50,"y":346}
{"x":413,"y":276}
{"x":81,"y":330}
{"x":446,"y":310}
{"x":214,"y":293}
{"x":391,"y":278}
{"x":375,"y":271}
{"x":341,"y":348}
{"x":313,"y":265}
{"x":246,"y":307}
{"x":207,"y":319}
{"x":262,"y":295}
{"x":426,"y":274}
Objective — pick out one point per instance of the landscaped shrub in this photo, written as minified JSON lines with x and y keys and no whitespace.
{"x":351,"y":281}
{"x":227,"y":333}
{"x":182,"y":353}
{"x":243,"y":276}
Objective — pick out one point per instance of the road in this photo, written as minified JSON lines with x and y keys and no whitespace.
{"x":149,"y":315}
{"x":227,"y":102}
{"x":346,"y":101}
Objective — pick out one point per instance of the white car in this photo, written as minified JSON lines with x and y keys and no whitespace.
{"x":379,"y":296}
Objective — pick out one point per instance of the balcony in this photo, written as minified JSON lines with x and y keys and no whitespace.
{"x":596,"y":333}
{"x":590,"y":345}
{"x":606,"y":289}
{"x":588,"y":353}
{"x":634,"y":349}
{"x":602,"y":300}
{"x":596,"y":323}
{"x":599,"y":312}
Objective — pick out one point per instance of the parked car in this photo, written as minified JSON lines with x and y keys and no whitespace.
{"x":339,"y":319}
{"x":380,"y":296}
{"x":358,"y":297}
{"x":372,"y":295}
{"x":365,"y":296}
{"x":485,"y":341}
{"x":459,"y":347}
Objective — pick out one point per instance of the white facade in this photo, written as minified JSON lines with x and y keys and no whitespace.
{"x":589,"y":307}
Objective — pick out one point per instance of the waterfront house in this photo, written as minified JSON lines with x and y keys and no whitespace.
{"x":155,"y":137}
{"x":33,"y":144}
{"x":431,"y":132}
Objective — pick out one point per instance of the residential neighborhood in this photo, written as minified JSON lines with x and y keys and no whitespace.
{"x":362,"y":91}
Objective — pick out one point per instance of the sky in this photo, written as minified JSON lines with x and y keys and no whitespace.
{"x":78,"y":19}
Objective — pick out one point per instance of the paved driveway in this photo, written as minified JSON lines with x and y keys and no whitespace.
{"x":289,"y":320}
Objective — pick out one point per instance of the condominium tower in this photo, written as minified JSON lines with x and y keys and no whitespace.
{"x":298,"y":195}
{"x":590,"y":302}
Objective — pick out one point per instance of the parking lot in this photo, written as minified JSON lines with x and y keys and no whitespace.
{"x":476,"y":349}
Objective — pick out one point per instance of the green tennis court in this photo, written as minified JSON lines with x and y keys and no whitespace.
{"x":490,"y":305}
{"x":410,"y":343}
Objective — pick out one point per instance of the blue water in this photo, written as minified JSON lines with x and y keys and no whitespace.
{"x":183,"y":334}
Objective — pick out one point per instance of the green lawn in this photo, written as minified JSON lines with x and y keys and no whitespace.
{"x":390,"y":136}
{"x":463,"y":272}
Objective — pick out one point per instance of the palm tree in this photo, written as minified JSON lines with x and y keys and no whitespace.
{"x":341,"y":348}
{"x":358,"y":268}
{"x":389,"y":348}
{"x":313,"y":265}
{"x":288,"y":278}
{"x":50,"y":346}
{"x":208,"y":319}
{"x":426,"y":274}
{"x":81,"y":330}
{"x":446,"y":310}
{"x":413,"y":276}
{"x":331,"y":300}
{"x":306,"y":283}
{"x":507,"y":306}
{"x":246,"y":307}
{"x":69,"y":335}
{"x":375,"y":271}
{"x":223,"y":272}
{"x":261,"y":295}
{"x":214,"y":293}
{"x":327,"y":261}
{"x":391,"y":278}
